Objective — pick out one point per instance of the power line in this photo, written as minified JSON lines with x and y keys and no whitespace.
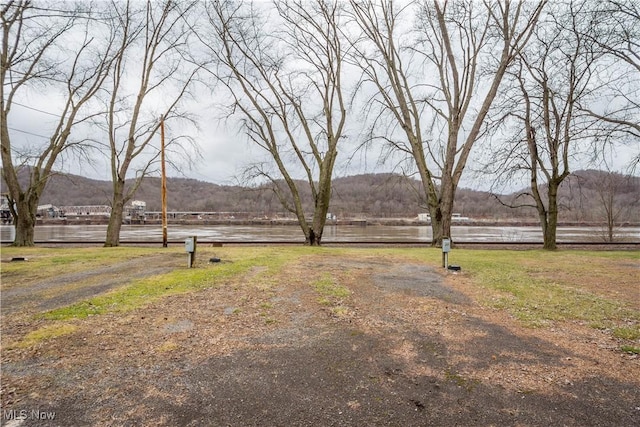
{"x":35,"y":109}
{"x":28,"y":133}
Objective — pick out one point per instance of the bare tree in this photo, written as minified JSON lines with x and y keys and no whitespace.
{"x":464,"y":49}
{"x":284,"y":77}
{"x":617,"y":200}
{"x":553,"y":74}
{"x":617,"y":104}
{"x":62,"y":48}
{"x":152,"y":37}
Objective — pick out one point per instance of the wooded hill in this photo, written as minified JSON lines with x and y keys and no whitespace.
{"x":582,"y":198}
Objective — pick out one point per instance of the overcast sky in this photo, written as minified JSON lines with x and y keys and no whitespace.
{"x":224,"y":149}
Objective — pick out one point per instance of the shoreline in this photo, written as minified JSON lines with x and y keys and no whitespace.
{"x":347,"y":222}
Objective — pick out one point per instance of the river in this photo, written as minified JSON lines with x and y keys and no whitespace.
{"x":333,"y":233}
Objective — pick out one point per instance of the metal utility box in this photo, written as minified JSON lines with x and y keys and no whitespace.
{"x":190,"y":244}
{"x":446,"y":245}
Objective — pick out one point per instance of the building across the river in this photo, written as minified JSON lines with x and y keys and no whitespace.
{"x":88,"y":210}
{"x":456,"y":217}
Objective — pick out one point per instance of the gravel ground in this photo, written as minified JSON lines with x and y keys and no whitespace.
{"x":410,"y":345}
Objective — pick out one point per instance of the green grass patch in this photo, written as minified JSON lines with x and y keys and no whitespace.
{"x":44,"y":263}
{"x":627,"y":332}
{"x":340,"y":311}
{"x":142,"y":292}
{"x":168,"y":346}
{"x":332,"y":294}
{"x":328,"y":288}
{"x":630,"y":349}
{"x":460,"y":381}
{"x":45,"y":333}
{"x":518,"y":285}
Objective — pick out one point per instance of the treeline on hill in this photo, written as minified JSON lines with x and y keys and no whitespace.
{"x":583,"y":197}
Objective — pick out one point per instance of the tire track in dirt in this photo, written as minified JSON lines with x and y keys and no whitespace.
{"x":66,"y":289}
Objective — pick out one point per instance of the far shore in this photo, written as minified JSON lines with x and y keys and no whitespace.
{"x":104,"y":220}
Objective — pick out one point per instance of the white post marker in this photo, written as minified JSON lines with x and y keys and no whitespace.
{"x":446,"y":248}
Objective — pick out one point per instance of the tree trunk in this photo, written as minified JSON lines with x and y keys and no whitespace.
{"x":609,"y":209}
{"x":433,"y":206}
{"x":441,"y":214}
{"x":551,"y":226}
{"x":322,"y":201}
{"x":447,"y":195}
{"x":436,"y":226}
{"x":550,"y":235}
{"x":113,"y":229}
{"x":446,"y":227}
{"x":115,"y":219}
{"x":25,"y":222}
{"x":610,"y":234}
{"x":313,"y":239}
{"x":313,"y":232}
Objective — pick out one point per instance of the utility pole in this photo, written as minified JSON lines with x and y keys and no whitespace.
{"x":164,"y":185}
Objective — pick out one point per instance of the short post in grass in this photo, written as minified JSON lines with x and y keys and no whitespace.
{"x":446,"y":248}
{"x":190,"y":245}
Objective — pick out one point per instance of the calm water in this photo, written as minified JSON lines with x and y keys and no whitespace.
{"x":230,"y":233}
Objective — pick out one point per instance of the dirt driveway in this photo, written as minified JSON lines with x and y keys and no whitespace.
{"x":408,"y":346}
{"x":68,"y":288}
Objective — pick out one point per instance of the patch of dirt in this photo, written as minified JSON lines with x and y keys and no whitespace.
{"x":409,"y":346}
{"x":418,"y":280}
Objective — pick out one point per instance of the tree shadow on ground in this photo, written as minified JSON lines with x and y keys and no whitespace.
{"x":342,"y":376}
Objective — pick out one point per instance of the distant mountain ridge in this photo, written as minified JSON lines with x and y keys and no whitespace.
{"x":370,"y":195}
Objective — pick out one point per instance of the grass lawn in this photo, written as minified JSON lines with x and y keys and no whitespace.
{"x":538,"y":288}
{"x":321,"y":336}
